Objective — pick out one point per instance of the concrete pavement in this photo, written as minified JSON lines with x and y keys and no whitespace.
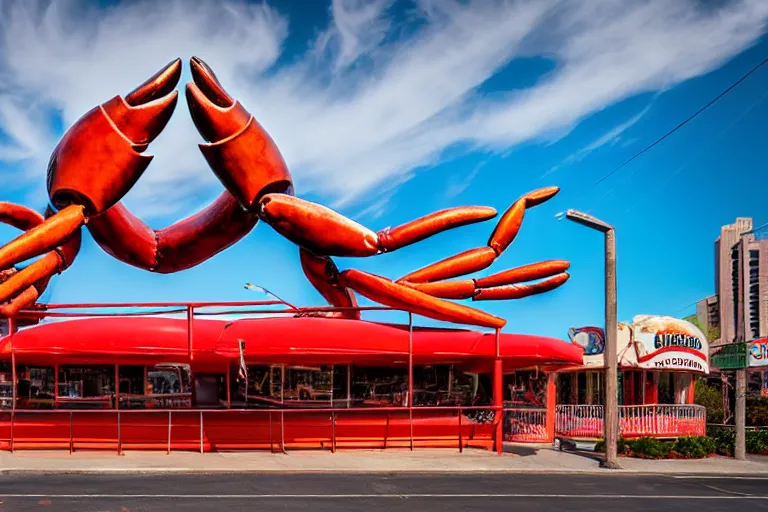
{"x":516,"y":459}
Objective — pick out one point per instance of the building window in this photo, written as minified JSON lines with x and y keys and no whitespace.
{"x":86,"y":387}
{"x":163,"y":386}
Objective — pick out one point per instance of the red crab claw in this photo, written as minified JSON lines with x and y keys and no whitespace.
{"x":19,"y":289}
{"x":239,"y":151}
{"x":98,"y":160}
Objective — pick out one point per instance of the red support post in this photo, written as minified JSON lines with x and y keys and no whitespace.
{"x":11,"y":332}
{"x":498,"y":397}
{"x":190,"y":316}
{"x":551,"y":406}
{"x":410,"y":375}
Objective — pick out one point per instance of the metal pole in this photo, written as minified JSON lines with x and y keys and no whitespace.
{"x":201,"y":431}
{"x":410,"y":375}
{"x":611,"y":420}
{"x":349,"y":386}
{"x":497,"y":394}
{"x":71,"y":442}
{"x":461,"y":434}
{"x":119,"y":439}
{"x":11,"y":332}
{"x":282,"y":406}
{"x":190,"y":316}
{"x":740,"y":451}
{"x":169,"y":432}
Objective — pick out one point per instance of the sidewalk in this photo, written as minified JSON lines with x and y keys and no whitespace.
{"x":516,"y":459}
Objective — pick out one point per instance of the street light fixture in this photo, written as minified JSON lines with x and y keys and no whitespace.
{"x":261,"y":289}
{"x":611,"y":419}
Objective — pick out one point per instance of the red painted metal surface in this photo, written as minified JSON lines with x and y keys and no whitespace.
{"x":278,"y":340}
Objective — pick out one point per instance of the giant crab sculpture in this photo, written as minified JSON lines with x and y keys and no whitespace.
{"x":102,"y":156}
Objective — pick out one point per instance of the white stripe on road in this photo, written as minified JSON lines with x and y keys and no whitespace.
{"x":719,"y":477}
{"x":389,"y":496}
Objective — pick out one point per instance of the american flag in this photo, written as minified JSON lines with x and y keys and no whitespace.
{"x":243,"y":373}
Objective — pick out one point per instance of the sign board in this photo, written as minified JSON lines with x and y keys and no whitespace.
{"x":650,"y":342}
{"x":731,"y":357}
{"x":757,"y":353}
{"x":665,"y":343}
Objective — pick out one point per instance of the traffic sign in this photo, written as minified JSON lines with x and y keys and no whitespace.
{"x":731,"y":357}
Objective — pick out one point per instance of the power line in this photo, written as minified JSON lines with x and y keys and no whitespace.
{"x":686,"y":121}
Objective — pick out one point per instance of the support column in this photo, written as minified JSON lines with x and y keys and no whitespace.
{"x":498,"y":395}
{"x":740,"y":451}
{"x":651,"y":391}
{"x":551,"y":406}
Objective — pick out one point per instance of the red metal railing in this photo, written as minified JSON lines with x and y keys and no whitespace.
{"x":523,"y":425}
{"x":658,"y":420}
{"x":207,"y":430}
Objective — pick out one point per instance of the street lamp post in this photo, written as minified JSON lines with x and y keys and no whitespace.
{"x":611,"y":419}
{"x":257,"y":288}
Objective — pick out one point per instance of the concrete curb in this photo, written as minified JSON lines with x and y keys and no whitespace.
{"x":262,"y":471}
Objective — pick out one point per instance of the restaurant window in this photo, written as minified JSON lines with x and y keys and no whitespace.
{"x":6,"y":385}
{"x":340,"y":384}
{"x":309,"y":384}
{"x":163,"y":386}
{"x":86,"y":387}
{"x":372,"y":386}
{"x":526,"y":389}
{"x":35,"y":386}
{"x":443,"y":385}
{"x":263,"y":386}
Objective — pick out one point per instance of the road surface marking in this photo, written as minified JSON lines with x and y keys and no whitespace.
{"x":389,"y":495}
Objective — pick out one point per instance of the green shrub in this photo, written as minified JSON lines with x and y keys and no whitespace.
{"x":725,"y":439}
{"x":649,"y":448}
{"x":695,"y":447}
{"x":710,"y":397}
{"x":621,"y":446}
{"x":757,"y":442}
{"x":757,"y":412}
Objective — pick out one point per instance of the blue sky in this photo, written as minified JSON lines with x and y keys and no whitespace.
{"x":387,"y":111}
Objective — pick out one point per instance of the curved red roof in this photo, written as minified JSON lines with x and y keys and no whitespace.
{"x":130,"y":340}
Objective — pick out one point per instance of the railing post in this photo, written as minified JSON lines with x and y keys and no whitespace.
{"x":168,"y":452}
{"x":201,"y":432}
{"x":190,"y":316}
{"x":11,"y":332}
{"x":271,"y":445}
{"x":498,"y":398}
{"x":410,"y":376}
{"x":461,"y":434}
{"x":71,"y":442}
{"x":333,"y":431}
{"x":119,"y":439}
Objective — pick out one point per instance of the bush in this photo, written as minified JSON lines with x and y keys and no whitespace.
{"x":649,"y":448}
{"x":757,"y":412}
{"x":694,"y":447}
{"x":710,"y":397}
{"x":725,"y":439}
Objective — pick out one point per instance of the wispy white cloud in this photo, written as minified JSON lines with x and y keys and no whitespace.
{"x":459,"y":184}
{"x":391,"y":95}
{"x":609,"y":138}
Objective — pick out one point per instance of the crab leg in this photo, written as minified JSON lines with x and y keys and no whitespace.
{"x":322,"y":272}
{"x":503,"y":285}
{"x":327,"y":232}
{"x":23,"y":287}
{"x":481,"y":258}
{"x":395,"y":295}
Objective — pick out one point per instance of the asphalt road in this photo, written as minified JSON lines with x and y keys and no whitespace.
{"x":232,"y":492}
